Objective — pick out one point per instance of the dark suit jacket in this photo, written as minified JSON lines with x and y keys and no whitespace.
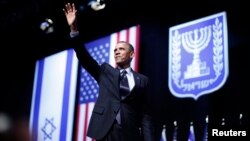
{"x":135,"y":114}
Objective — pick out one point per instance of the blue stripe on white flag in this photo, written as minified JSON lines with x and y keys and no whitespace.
{"x":66,"y":96}
{"x":36,"y":100}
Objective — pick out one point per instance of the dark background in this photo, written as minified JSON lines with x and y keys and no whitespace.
{"x":22,"y":43}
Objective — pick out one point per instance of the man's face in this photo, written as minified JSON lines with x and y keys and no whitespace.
{"x":123,"y":55}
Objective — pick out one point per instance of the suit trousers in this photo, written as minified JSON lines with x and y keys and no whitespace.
{"x":115,"y":133}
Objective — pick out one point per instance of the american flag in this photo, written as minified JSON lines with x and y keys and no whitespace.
{"x":102,"y":50}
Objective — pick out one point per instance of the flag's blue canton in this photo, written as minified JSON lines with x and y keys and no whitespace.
{"x":99,"y":50}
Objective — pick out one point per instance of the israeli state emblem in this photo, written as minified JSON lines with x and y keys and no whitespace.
{"x":198,"y":56}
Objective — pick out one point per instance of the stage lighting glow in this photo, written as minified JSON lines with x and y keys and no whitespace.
{"x":47,"y":26}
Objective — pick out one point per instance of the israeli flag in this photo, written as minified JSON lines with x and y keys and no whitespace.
{"x":52,"y":109}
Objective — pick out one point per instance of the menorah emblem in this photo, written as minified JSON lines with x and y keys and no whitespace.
{"x":198,"y":56}
{"x":194,"y":42}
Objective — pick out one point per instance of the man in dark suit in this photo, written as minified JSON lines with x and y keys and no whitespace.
{"x":122,"y":111}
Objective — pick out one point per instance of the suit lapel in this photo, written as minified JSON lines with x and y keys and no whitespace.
{"x":116,"y":79}
{"x":137,"y":80}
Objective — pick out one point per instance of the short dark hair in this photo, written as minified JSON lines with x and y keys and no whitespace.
{"x":131,"y":48}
